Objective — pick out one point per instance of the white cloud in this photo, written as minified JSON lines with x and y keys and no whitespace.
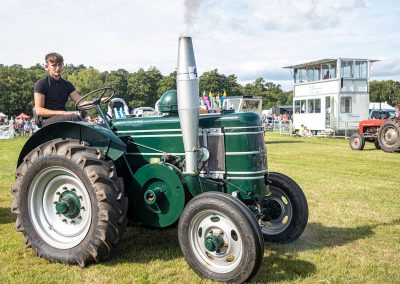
{"x":251,"y":39}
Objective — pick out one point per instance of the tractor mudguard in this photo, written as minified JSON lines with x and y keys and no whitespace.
{"x":97,"y":136}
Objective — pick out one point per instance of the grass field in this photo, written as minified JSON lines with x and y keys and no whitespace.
{"x":353,"y":234}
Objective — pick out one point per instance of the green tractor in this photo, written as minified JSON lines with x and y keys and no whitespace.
{"x":77,"y":183}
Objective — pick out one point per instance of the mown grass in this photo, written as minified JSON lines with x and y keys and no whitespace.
{"x":353,"y":234}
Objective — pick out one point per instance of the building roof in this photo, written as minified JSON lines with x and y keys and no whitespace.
{"x":325,"y":61}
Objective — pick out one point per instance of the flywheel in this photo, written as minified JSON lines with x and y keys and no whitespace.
{"x":158,"y":195}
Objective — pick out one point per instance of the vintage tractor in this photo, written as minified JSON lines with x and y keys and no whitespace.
{"x":384,"y":133}
{"x":77,"y":183}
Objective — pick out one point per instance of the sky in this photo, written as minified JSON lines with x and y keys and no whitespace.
{"x":248,"y":38}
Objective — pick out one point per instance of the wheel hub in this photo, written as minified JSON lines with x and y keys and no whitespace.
{"x":391,"y":136}
{"x":68,"y":204}
{"x":272,"y":209}
{"x":276,"y":212}
{"x":214,"y":243}
{"x":152,"y":196}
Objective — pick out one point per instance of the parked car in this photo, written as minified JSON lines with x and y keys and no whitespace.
{"x":381,"y":113}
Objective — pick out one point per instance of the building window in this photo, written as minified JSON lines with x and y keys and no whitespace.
{"x":345,"y":104}
{"x":314,"y":106}
{"x":300,"y":106}
{"x":360,"y":69}
{"x":347,"y":69}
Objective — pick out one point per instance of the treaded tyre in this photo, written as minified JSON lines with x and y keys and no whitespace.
{"x":376,"y":144}
{"x":69,"y":202}
{"x":389,"y":136}
{"x":357,"y":141}
{"x":285,"y":209}
{"x":220,"y":238}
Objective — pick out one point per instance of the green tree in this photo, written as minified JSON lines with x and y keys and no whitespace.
{"x":272,"y":94}
{"x":387,"y":90}
{"x":212,"y":81}
{"x":143,"y":87}
{"x":118,"y":80}
{"x":166,"y":83}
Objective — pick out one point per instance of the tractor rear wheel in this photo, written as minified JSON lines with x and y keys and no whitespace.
{"x":376,"y":144}
{"x":69,"y":202}
{"x":285,"y":210}
{"x":389,"y":136}
{"x":220,"y":238}
{"x":357,"y":141}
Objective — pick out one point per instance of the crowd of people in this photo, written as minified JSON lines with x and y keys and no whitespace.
{"x":20,"y":126}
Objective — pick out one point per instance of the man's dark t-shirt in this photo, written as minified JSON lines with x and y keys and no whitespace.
{"x":56,"y":92}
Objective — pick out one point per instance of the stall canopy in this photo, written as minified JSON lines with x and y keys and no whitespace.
{"x":2,"y":114}
{"x":23,"y":116}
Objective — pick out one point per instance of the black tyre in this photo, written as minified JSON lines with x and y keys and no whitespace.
{"x":389,"y":136}
{"x":69,"y":202}
{"x":376,"y":144}
{"x":285,"y":210}
{"x":220,"y":238}
{"x":357,"y":141}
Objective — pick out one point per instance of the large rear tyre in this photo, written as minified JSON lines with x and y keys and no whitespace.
{"x":69,"y":202}
{"x":389,"y":136}
{"x":220,"y":239}
{"x":357,"y":141}
{"x":285,"y":210}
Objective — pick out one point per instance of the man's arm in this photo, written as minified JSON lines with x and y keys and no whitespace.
{"x":44,"y":112}
{"x":75,"y":96}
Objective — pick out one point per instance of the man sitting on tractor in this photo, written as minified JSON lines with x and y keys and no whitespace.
{"x":397,"y":112}
{"x":52,"y":92}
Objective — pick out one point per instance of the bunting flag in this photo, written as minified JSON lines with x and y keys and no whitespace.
{"x":205,"y":99}
{"x":218,"y":99}
{"x":202,"y":105}
{"x":215,"y":103}
{"x":225,"y":93}
{"x":222,"y":98}
{"x":210,"y":97}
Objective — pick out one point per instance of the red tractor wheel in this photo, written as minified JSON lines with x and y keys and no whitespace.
{"x":357,"y":141}
{"x":389,"y":136}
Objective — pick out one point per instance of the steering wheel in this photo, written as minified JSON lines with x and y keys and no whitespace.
{"x":82,"y":104}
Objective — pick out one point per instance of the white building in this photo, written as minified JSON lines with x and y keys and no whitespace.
{"x":331,"y":94}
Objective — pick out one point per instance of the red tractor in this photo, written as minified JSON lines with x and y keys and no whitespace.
{"x":384,"y":133}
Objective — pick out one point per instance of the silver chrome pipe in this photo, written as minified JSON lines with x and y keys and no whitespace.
{"x":187,"y":83}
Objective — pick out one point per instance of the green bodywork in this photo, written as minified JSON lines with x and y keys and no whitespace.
{"x":238,"y":138}
{"x":149,"y":154}
{"x":97,"y":136}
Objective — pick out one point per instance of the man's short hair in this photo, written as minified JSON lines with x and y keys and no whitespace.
{"x":54,"y":57}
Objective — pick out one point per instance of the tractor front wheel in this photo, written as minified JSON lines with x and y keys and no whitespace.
{"x":220,"y":239}
{"x":69,"y":202}
{"x":357,"y":141}
{"x":285,"y":210}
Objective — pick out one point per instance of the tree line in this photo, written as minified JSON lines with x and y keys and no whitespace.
{"x":140,"y":88}
{"x":145,"y":87}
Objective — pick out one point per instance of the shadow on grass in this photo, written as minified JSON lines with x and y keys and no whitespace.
{"x":142,"y":245}
{"x":282,"y":263}
{"x":317,"y":236}
{"x":277,"y":268}
{"x":283,"y":142}
{"x":6,"y":216}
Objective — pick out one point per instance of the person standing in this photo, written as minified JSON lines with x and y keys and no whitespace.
{"x":51,"y":93}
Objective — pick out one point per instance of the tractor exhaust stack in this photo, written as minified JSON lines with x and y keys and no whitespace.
{"x":188,"y":101}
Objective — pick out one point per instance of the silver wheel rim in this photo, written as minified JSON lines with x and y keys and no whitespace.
{"x":356,"y":142}
{"x":55,"y":229}
{"x":208,"y":223}
{"x":390,"y":136}
{"x":281,"y":223}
